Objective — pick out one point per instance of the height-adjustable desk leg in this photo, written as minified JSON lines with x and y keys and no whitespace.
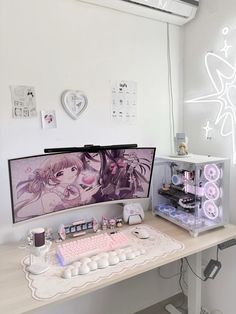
{"x":194,"y":284}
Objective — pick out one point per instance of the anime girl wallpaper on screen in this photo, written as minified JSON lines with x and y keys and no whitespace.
{"x":50,"y":183}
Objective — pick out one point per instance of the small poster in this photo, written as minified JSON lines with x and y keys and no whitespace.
{"x":124,"y":101}
{"x":23,"y":102}
{"x":48,"y":119}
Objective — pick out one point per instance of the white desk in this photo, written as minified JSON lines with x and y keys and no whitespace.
{"x":15,"y":296}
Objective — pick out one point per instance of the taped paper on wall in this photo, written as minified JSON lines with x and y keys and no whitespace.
{"x":23,"y":102}
{"x":124,"y":102}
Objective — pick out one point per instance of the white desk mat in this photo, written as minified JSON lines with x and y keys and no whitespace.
{"x":50,"y":284}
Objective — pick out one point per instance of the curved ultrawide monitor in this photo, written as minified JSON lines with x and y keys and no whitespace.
{"x":51,"y":183}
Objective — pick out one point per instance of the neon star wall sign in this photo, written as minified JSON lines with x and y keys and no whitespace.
{"x":222,"y":75}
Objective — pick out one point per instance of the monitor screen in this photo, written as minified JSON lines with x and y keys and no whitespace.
{"x":56,"y":182}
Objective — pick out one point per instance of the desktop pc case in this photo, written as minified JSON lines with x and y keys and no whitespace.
{"x":191,"y":191}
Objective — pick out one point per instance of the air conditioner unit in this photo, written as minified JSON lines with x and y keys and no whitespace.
{"x":176,"y":12}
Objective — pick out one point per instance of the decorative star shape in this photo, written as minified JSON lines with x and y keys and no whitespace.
{"x":226,"y":48}
{"x":223,"y":78}
{"x":207,"y":129}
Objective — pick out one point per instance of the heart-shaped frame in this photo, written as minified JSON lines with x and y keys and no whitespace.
{"x":74,"y":102}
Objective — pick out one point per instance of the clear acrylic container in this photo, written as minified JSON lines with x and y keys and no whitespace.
{"x":191,"y":191}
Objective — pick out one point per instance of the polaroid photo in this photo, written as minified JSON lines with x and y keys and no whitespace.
{"x":48,"y":119}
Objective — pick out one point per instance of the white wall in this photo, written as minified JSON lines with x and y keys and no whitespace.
{"x":58,"y":44}
{"x":65,"y":44}
{"x":203,"y":35}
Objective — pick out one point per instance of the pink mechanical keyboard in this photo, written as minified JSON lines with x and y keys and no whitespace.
{"x":72,"y":251}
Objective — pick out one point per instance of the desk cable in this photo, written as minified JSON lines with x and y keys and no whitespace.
{"x":199,"y":277}
{"x":181,"y":278}
{"x":214,"y":265}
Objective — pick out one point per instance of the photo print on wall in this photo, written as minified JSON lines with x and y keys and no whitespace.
{"x":48,"y":119}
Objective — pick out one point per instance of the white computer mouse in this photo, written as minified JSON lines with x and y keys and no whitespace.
{"x":141,"y":233}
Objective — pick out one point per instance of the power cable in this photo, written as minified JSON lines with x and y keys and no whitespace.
{"x":170,"y":90}
{"x":193,"y":270}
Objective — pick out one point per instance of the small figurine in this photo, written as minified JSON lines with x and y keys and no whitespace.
{"x":61,"y":233}
{"x":104,"y":223}
{"x":119,"y":222}
{"x":112,"y":223}
{"x":182,"y":149}
{"x":95,"y":225}
{"x":48,"y":234}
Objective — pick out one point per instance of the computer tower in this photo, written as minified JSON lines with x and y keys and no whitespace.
{"x":191,"y":191}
